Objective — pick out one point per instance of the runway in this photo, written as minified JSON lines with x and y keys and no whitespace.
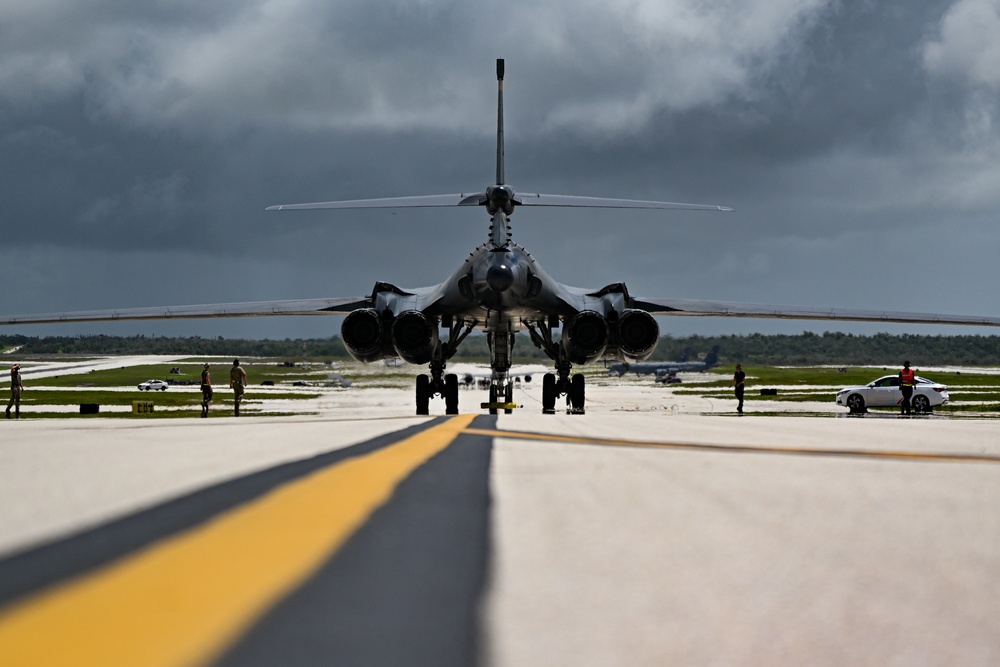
{"x":641,"y":538}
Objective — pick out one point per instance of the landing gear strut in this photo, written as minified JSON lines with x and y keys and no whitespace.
{"x":562,"y":382}
{"x":438,"y":383}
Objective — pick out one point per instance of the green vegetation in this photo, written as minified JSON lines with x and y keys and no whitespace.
{"x":117,"y":388}
{"x":807,"y":368}
{"x":803,"y":349}
{"x":190,"y":373}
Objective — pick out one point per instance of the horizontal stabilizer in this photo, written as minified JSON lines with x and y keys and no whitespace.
{"x":570,"y":201}
{"x":424,"y":201}
{"x":480,"y":199}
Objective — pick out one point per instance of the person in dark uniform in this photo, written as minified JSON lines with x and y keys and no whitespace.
{"x":15,"y":391}
{"x":238,"y":383}
{"x":738,"y":379}
{"x":206,"y":391}
{"x":907,"y":378}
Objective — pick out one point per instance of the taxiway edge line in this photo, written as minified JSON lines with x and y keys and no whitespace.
{"x":939,"y":457}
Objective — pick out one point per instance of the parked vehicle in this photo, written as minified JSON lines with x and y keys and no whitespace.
{"x":153,"y":385}
{"x":885,"y":393}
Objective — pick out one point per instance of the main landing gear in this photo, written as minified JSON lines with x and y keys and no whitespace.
{"x":447,"y":388}
{"x":437,"y":383}
{"x":562,"y":382}
{"x":572,"y":387}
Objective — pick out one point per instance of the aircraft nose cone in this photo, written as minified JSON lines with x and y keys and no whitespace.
{"x":500,"y":277}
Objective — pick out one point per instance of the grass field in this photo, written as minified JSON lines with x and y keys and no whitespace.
{"x":114,"y":390}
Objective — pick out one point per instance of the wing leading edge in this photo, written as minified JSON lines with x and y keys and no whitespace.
{"x":694,"y":308}
{"x":336,"y":306}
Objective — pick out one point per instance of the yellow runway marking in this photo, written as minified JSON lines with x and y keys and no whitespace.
{"x":183,"y":600}
{"x":855,"y":453}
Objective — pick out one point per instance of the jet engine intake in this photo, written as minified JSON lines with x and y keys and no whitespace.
{"x":638,"y":334}
{"x":414,"y":337}
{"x":586,"y":337}
{"x":364,"y":335}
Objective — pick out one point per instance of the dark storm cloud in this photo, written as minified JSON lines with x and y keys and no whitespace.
{"x":852,"y":138}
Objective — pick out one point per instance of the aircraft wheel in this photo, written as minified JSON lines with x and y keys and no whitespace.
{"x":451,"y":394}
{"x":920,"y":403}
{"x":577,"y":393}
{"x":549,"y":393}
{"x":509,"y":396}
{"x":423,"y":395}
{"x":493,"y":398}
{"x":856,"y":403}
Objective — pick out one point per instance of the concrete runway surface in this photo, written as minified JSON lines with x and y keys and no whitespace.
{"x":612,"y":538}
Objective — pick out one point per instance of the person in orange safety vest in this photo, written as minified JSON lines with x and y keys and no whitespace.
{"x":907,"y":379}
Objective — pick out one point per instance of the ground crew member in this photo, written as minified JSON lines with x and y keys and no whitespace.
{"x":15,"y":391}
{"x":738,"y":379}
{"x":907,"y":379}
{"x":206,"y":391}
{"x":238,"y":383}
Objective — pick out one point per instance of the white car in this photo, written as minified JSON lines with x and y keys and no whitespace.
{"x":884,"y":393}
{"x":153,"y":385}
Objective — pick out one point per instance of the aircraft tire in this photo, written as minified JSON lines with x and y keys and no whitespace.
{"x":577,"y":392}
{"x":423,"y":394}
{"x":549,"y":393}
{"x":509,"y":396}
{"x":451,"y":394}
{"x":493,"y":398}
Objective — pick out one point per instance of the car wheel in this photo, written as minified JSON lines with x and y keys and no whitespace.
{"x":920,"y":403}
{"x":856,"y":403}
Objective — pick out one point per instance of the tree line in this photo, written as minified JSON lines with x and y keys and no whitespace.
{"x":802,"y":349}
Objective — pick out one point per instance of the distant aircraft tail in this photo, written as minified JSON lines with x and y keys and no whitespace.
{"x":712,"y":358}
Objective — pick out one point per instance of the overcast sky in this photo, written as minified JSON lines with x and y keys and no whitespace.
{"x":141,"y":142}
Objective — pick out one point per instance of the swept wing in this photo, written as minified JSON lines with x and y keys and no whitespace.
{"x":695,"y":308}
{"x":337,"y":306}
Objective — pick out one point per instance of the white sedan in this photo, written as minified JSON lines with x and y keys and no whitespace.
{"x":884,"y":393}
{"x":153,"y":385}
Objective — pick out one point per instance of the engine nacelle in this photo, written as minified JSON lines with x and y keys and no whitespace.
{"x":364,"y":335}
{"x":586,"y":337}
{"x":638,"y":334}
{"x":415,"y":337}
